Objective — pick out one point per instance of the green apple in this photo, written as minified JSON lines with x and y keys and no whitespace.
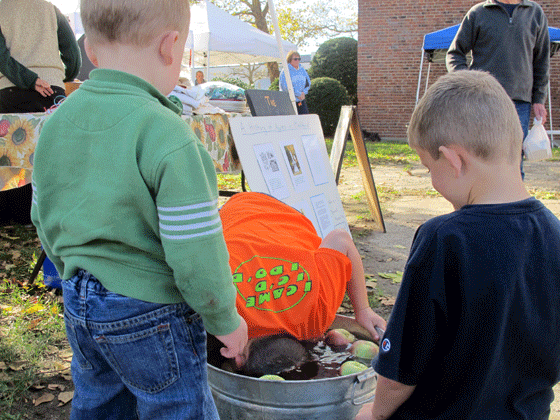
{"x":272,"y":378}
{"x":364,"y":349}
{"x":350,"y":367}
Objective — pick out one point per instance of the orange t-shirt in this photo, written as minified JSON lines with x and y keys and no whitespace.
{"x":284,"y":281}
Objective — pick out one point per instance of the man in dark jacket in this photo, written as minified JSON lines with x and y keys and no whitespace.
{"x":510,"y":40}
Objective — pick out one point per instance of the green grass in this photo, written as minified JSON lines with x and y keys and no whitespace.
{"x":31,"y":322}
{"x":378,"y":153}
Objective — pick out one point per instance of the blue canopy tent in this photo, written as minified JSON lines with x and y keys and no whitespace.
{"x":436,"y":44}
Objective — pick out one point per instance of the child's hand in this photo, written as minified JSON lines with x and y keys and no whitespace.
{"x":234,"y":342}
{"x":369,"y":320}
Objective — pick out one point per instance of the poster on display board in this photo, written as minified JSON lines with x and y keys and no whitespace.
{"x":286,"y":157}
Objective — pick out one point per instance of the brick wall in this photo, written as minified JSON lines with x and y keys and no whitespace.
{"x":390,"y":37}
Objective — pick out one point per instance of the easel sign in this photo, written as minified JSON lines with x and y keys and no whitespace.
{"x":286,"y":157}
{"x":349,"y":122}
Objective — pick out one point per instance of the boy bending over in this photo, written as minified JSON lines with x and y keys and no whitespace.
{"x":288,"y":279}
{"x":125,"y":206}
{"x":475,"y":330}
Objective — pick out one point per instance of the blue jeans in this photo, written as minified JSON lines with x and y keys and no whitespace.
{"x":134,"y":359}
{"x":524,"y":113}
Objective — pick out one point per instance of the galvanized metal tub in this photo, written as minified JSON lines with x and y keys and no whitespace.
{"x":241,"y":397}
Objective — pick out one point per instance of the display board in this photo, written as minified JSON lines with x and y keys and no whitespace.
{"x":286,"y":157}
{"x":266,"y":103}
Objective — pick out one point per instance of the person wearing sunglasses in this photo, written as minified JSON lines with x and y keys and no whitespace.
{"x":300,"y":80}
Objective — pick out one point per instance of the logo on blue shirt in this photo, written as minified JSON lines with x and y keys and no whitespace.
{"x":385,"y":345}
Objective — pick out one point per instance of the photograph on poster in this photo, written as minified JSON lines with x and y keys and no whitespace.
{"x":292,"y":156}
{"x":268,"y":162}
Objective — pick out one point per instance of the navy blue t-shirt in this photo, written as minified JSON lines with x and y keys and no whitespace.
{"x":509,"y":7}
{"x":476,"y":324}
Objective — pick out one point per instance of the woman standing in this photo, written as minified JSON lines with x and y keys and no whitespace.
{"x":300,"y":81}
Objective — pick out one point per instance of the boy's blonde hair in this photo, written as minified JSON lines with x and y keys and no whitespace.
{"x":132,"y":22}
{"x":471,"y":109}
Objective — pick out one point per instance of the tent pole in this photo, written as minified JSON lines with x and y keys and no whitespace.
{"x":207,"y":75}
{"x":550,"y":116}
{"x":282,"y":55}
{"x":427,"y":76}
{"x":420,"y":77}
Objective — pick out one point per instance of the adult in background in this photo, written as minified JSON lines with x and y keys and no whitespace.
{"x":38,"y":52}
{"x":300,"y":80}
{"x":510,"y":40}
{"x":199,"y":78}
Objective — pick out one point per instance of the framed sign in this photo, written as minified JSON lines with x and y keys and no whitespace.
{"x":266,"y":103}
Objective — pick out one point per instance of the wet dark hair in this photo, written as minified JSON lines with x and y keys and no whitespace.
{"x":273,"y":354}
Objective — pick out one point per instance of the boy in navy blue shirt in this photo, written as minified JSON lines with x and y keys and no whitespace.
{"x":475,"y":330}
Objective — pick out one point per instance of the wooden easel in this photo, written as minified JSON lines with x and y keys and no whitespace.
{"x":349,"y":122}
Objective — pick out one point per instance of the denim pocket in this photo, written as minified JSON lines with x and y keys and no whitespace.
{"x":78,"y":357}
{"x":145,"y":360}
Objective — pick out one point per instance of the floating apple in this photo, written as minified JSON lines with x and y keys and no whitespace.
{"x":364,"y":349}
{"x":350,"y":367}
{"x":339,"y":337}
{"x":272,"y":378}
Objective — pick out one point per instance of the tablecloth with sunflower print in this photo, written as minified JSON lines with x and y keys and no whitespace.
{"x":19,"y":134}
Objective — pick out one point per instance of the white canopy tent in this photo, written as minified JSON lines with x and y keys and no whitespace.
{"x":219,"y":38}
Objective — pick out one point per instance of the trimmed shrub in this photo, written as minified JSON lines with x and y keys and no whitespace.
{"x":232,"y":81}
{"x":275,"y":85}
{"x":326,"y":96}
{"x":338,"y":58}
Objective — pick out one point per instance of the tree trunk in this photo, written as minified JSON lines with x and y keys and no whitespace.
{"x":273,"y":71}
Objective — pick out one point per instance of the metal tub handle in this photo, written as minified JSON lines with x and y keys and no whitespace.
{"x":368,"y":374}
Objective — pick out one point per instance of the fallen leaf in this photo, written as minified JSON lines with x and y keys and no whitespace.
{"x":387,"y":301}
{"x":45,"y":398}
{"x":399,"y":246}
{"x":66,"y":354}
{"x":54,"y":387}
{"x":372,"y":284}
{"x":65,"y":397}
{"x":388,"y":276}
{"x":3,"y":366}
{"x":16,"y":365}
{"x":34,"y":308}
{"x":33,"y":323}
{"x":61,"y":366}
{"x":67,"y":376}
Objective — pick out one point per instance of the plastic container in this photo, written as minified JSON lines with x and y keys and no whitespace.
{"x":50,"y":275}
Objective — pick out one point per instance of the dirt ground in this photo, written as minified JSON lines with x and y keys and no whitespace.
{"x":407,"y":200}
